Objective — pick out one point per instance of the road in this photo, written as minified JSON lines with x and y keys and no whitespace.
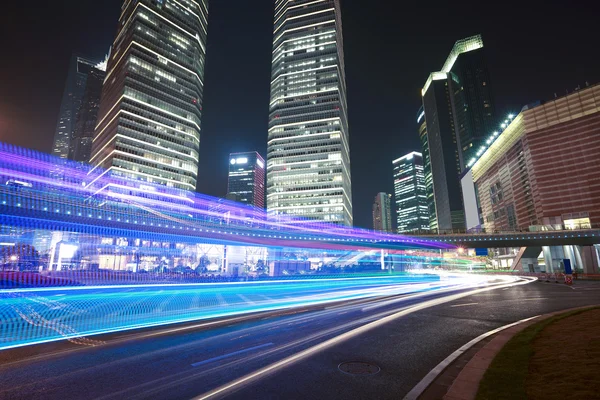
{"x":289,"y":354}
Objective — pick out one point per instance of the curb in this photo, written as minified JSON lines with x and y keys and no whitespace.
{"x":466,"y":384}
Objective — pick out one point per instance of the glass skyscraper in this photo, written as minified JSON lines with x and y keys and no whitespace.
{"x":149,"y":120}
{"x":308,"y":158}
{"x":75,"y":86}
{"x":412,"y":212}
{"x":382,"y":213}
{"x":81,"y":144}
{"x":246,"y":182}
{"x":459,"y":112}
{"x":422,"y":128}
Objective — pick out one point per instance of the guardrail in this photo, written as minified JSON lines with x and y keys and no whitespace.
{"x":483,"y":231}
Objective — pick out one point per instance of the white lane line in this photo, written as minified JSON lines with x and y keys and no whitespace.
{"x":345,"y":336}
{"x":221,"y":300}
{"x":464,"y":304}
{"x":245,"y":299}
{"x":235,"y":353}
{"x":430,"y":377}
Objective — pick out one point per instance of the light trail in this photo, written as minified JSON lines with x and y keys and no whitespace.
{"x":32,"y":316}
{"x":249,"y":378}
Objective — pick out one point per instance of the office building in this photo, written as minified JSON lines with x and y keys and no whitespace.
{"x":308,"y":158}
{"x":459,"y":115}
{"x":412,"y":212}
{"x":83,"y":134}
{"x":422,"y":129}
{"x":246,"y":182}
{"x":149,"y":119}
{"x":75,"y":87}
{"x":382,"y":213}
{"x":541,"y":169}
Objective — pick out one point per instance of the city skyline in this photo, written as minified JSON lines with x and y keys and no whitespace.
{"x":533,"y":80}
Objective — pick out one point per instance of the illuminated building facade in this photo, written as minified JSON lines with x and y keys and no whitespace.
{"x":412,"y":212}
{"x":382,"y":213}
{"x":422,"y":128}
{"x":81,"y":145}
{"x":80,"y":68}
{"x":246,"y":182}
{"x":543,"y":168}
{"x":308,"y":158}
{"x":149,"y":118}
{"x":459,"y":114}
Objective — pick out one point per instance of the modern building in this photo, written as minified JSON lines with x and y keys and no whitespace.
{"x":80,"y":68}
{"x":412,"y":212}
{"x":382,"y":212}
{"x":308,"y":158}
{"x":246,"y":182}
{"x":422,"y":128}
{"x":81,"y":144}
{"x":542,"y":171}
{"x":149,"y":119}
{"x":459,"y":115}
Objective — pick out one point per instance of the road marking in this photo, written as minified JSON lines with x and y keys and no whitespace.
{"x":533,"y":298}
{"x":345,"y":336}
{"x":430,"y":377}
{"x":235,"y":353}
{"x":246,"y":300}
{"x":462,"y":305}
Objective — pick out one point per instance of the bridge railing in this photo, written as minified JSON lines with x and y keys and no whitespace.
{"x":528,"y":229}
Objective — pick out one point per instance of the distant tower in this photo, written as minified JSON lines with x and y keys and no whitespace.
{"x":308,"y":158}
{"x":246,"y":182}
{"x":149,"y":120}
{"x":422,"y":128}
{"x":81,"y":145}
{"x":75,"y":87}
{"x":459,"y":115}
{"x":382,"y":213}
{"x":412,"y":213}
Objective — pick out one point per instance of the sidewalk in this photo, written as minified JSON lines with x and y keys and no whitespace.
{"x":460,"y":380}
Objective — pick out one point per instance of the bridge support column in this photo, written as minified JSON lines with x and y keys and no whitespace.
{"x":548,"y":259}
{"x":589,"y":258}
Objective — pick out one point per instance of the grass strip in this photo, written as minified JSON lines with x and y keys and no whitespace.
{"x":505,"y":378}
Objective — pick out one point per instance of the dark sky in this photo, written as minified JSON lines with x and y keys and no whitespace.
{"x":535,"y":49}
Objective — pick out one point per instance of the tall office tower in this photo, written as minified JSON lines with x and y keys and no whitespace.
{"x":422,"y":127}
{"x":83,"y":134}
{"x":458,"y":113}
{"x":382,"y":213}
{"x":149,"y":118}
{"x":412,"y":212}
{"x":79,"y":69}
{"x":247,"y":178}
{"x":308,"y":158}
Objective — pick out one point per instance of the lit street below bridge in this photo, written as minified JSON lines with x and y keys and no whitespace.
{"x":291,"y":353}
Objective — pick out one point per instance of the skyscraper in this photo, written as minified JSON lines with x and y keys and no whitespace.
{"x":149,"y":118}
{"x":83,"y":134}
{"x":422,"y":128}
{"x":459,"y":113}
{"x":412,"y":212}
{"x":382,"y":213}
{"x":75,"y":86}
{"x":308,"y":158}
{"x":247,"y":178}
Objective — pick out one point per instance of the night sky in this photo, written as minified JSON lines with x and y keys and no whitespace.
{"x":535,"y":49}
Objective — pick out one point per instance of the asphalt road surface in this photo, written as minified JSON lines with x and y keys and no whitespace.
{"x":290,"y":354}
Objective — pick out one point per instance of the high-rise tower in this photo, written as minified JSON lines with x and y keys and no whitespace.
{"x":412,"y":211}
{"x":75,"y":87}
{"x":382,"y":212}
{"x":149,"y":120}
{"x":246,"y":182}
{"x":308,"y":159}
{"x":459,"y":114}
